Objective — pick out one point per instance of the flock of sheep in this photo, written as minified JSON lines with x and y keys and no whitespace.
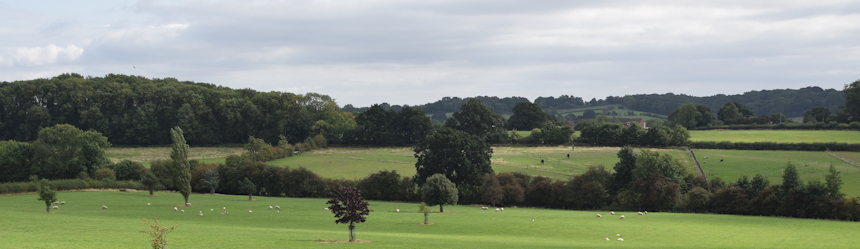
{"x":621,"y":217}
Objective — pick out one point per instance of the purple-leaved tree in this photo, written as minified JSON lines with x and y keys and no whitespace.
{"x":348,"y":207}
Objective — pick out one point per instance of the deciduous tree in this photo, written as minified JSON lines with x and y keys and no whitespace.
{"x":459,"y":156}
{"x":348,"y":207}
{"x":46,"y":194}
{"x":438,"y":190}
{"x":181,"y":167}
{"x":247,"y":187}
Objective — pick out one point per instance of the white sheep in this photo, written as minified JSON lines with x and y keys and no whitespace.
{"x":270,"y":207}
{"x":56,"y":203}
{"x":201,"y":214}
{"x":646,"y":211}
{"x":277,"y":207}
{"x":63,"y":203}
{"x":503,"y":209}
{"x":175,"y":209}
{"x":607,"y":239}
{"x":622,"y":217}
{"x":598,"y":216}
{"x":148,"y":204}
{"x":277,"y":211}
{"x":183,"y":210}
{"x":211,"y":209}
{"x":640,"y":213}
{"x":497,"y":209}
{"x":326,"y":209}
{"x":484,"y":208}
{"x":612,"y":212}
{"x":618,"y":235}
{"x":187,"y":204}
{"x":533,"y":219}
{"x":55,"y":207}
{"x":620,"y":239}
{"x":224,"y":208}
{"x":104,"y":207}
{"x":249,"y":211}
{"x":398,"y":210}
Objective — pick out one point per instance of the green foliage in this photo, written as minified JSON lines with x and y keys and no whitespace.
{"x":490,"y":190}
{"x":438,"y":190}
{"x":15,"y":161}
{"x":150,"y":181}
{"x":852,"y":100}
{"x":652,"y":163}
{"x":624,"y":168}
{"x":526,"y":116}
{"x":62,"y":151}
{"x":380,"y":126}
{"x":158,"y":233}
{"x":181,"y":168}
{"x":104,"y":174}
{"x":458,"y":155}
{"x":247,"y":187}
{"x":833,"y":183}
{"x":422,"y":208}
{"x":129,"y":170}
{"x":211,"y":180}
{"x":385,"y":185}
{"x":46,"y":194}
{"x":479,"y":119}
{"x":790,"y":179}
{"x":590,"y":190}
{"x":686,"y":115}
{"x":697,"y":200}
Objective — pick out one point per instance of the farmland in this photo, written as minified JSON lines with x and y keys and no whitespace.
{"x":302,"y":223}
{"x":778,"y":136}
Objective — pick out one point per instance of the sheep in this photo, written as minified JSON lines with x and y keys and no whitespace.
{"x":187,"y":204}
{"x":149,"y":204}
{"x":270,"y":207}
{"x":503,"y":209}
{"x":612,"y":212}
{"x":224,"y":208}
{"x":598,"y":216}
{"x":104,"y":207}
{"x":484,"y":208}
{"x":55,"y":207}
{"x":398,"y":210}
{"x":56,"y":203}
{"x":640,"y":213}
{"x":646,"y":211}
{"x":618,"y":235}
{"x":277,"y":207}
{"x":277,"y":211}
{"x":620,"y":239}
{"x":721,"y":160}
{"x":706,"y":157}
{"x":326,"y":209}
{"x":497,"y":209}
{"x":249,"y":211}
{"x":211,"y":209}
{"x":201,"y":214}
{"x":183,"y":210}
{"x":63,"y":203}
{"x":607,"y":239}
{"x":175,"y":209}
{"x":621,"y":217}
{"x":533,"y":219}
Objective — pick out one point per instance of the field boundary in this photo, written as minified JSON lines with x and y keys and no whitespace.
{"x":843,"y":158}
{"x":698,"y":167}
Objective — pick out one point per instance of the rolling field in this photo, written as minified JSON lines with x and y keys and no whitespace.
{"x":812,"y":165}
{"x":302,"y":223}
{"x":356,"y":163}
{"x":779,"y":136}
{"x":147,"y":154}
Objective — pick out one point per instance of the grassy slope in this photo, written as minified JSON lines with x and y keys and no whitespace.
{"x":302,"y":224}
{"x":780,"y":136}
{"x":147,"y":154}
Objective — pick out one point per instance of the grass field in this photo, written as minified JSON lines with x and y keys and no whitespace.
{"x":302,"y":223}
{"x":147,"y":154}
{"x":812,"y":165}
{"x":779,"y":136}
{"x":356,"y":163}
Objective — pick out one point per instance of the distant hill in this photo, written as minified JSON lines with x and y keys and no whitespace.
{"x":791,"y":102}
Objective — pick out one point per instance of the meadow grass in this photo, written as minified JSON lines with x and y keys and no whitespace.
{"x":302,"y":223}
{"x":779,"y":136}
{"x":812,"y":165}
{"x":148,"y":154}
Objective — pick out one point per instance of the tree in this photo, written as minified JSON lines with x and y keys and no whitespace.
{"x":624,"y":167}
{"x":526,"y":116}
{"x":438,"y":190}
{"x":686,"y":115}
{"x":383,"y":185}
{"x":129,"y":170}
{"x":63,"y":151}
{"x":589,"y":114}
{"x":833,"y":182}
{"x":790,"y":179}
{"x":210,"y":180}
{"x":705,"y":118}
{"x":181,"y":168}
{"x":852,"y":100}
{"x":348,"y":207}
{"x":15,"y":161}
{"x":650,"y":163}
{"x":255,"y":147}
{"x":422,"y":208}
{"x":458,"y":155}
{"x":590,"y":189}
{"x":491,"y":191}
{"x":479,"y":119}
{"x":697,"y":199}
{"x":817,"y":114}
{"x":778,"y":118}
{"x":247,"y":187}
{"x":46,"y":194}
{"x":150,"y":181}
{"x":158,"y":233}
{"x":733,"y":113}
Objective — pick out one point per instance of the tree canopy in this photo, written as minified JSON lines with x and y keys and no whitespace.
{"x":348,"y":207}
{"x":455,"y":154}
{"x":438,"y":190}
{"x":479,"y":119}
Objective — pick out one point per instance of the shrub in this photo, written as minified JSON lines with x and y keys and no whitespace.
{"x":104,"y":174}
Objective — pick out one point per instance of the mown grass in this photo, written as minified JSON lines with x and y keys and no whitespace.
{"x":302,"y":223}
{"x":778,"y":136}
{"x":812,"y":165}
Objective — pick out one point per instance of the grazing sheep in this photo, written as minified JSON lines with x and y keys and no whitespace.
{"x":56,"y":203}
{"x":249,"y":211}
{"x":484,"y":208}
{"x":211,"y":209}
{"x":187,"y":204}
{"x":612,"y":212}
{"x":175,"y":209}
{"x":148,"y":204}
{"x":277,"y":207}
{"x":620,"y":239}
{"x":598,"y":216}
{"x":55,"y":207}
{"x":607,"y":239}
{"x":398,"y":210}
{"x":621,"y":217}
{"x":640,"y":213}
{"x":63,"y":203}
{"x":497,"y":209}
{"x":183,"y":210}
{"x":201,"y":214}
{"x":224,"y":208}
{"x":326,"y":209}
{"x":503,"y":209}
{"x":533,"y":219}
{"x":277,"y":211}
{"x":104,"y":207}
{"x":646,"y":211}
{"x":721,"y":160}
{"x":618,"y":235}
{"x":270,"y":207}
{"x":706,"y":157}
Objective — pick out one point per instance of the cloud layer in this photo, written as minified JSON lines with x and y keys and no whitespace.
{"x":414,"y":52}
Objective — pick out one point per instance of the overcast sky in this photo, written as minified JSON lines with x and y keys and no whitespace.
{"x":362,"y":52}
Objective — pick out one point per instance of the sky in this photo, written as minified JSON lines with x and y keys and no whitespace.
{"x":363,"y":52}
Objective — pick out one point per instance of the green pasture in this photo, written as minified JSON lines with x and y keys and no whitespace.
{"x":302,"y":223}
{"x":812,"y":165}
{"x":148,"y":154}
{"x":779,"y":136}
{"x":353,"y":163}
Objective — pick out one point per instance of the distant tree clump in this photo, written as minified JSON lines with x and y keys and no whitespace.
{"x":479,"y":119}
{"x":456,"y":154}
{"x":438,"y":190}
{"x":348,"y":207}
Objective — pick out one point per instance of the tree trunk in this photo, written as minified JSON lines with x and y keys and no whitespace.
{"x":186,"y":199}
{"x":351,"y":232}
{"x":440,"y":208}
{"x":425,"y":218}
{"x":150,"y":191}
{"x":212,"y":191}
{"x":249,"y":197}
{"x":47,"y":207}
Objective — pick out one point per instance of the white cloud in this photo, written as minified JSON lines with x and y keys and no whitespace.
{"x":50,"y":54}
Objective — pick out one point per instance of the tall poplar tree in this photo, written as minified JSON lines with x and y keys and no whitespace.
{"x":181,"y":167}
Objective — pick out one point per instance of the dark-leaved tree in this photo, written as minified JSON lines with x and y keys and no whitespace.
{"x":181,"y":167}
{"x":150,"y":181}
{"x":459,"y":156}
{"x":348,"y":207}
{"x":247,"y":187}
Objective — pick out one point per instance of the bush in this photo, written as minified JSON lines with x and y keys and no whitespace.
{"x":129,"y":170}
{"x":104,"y":174}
